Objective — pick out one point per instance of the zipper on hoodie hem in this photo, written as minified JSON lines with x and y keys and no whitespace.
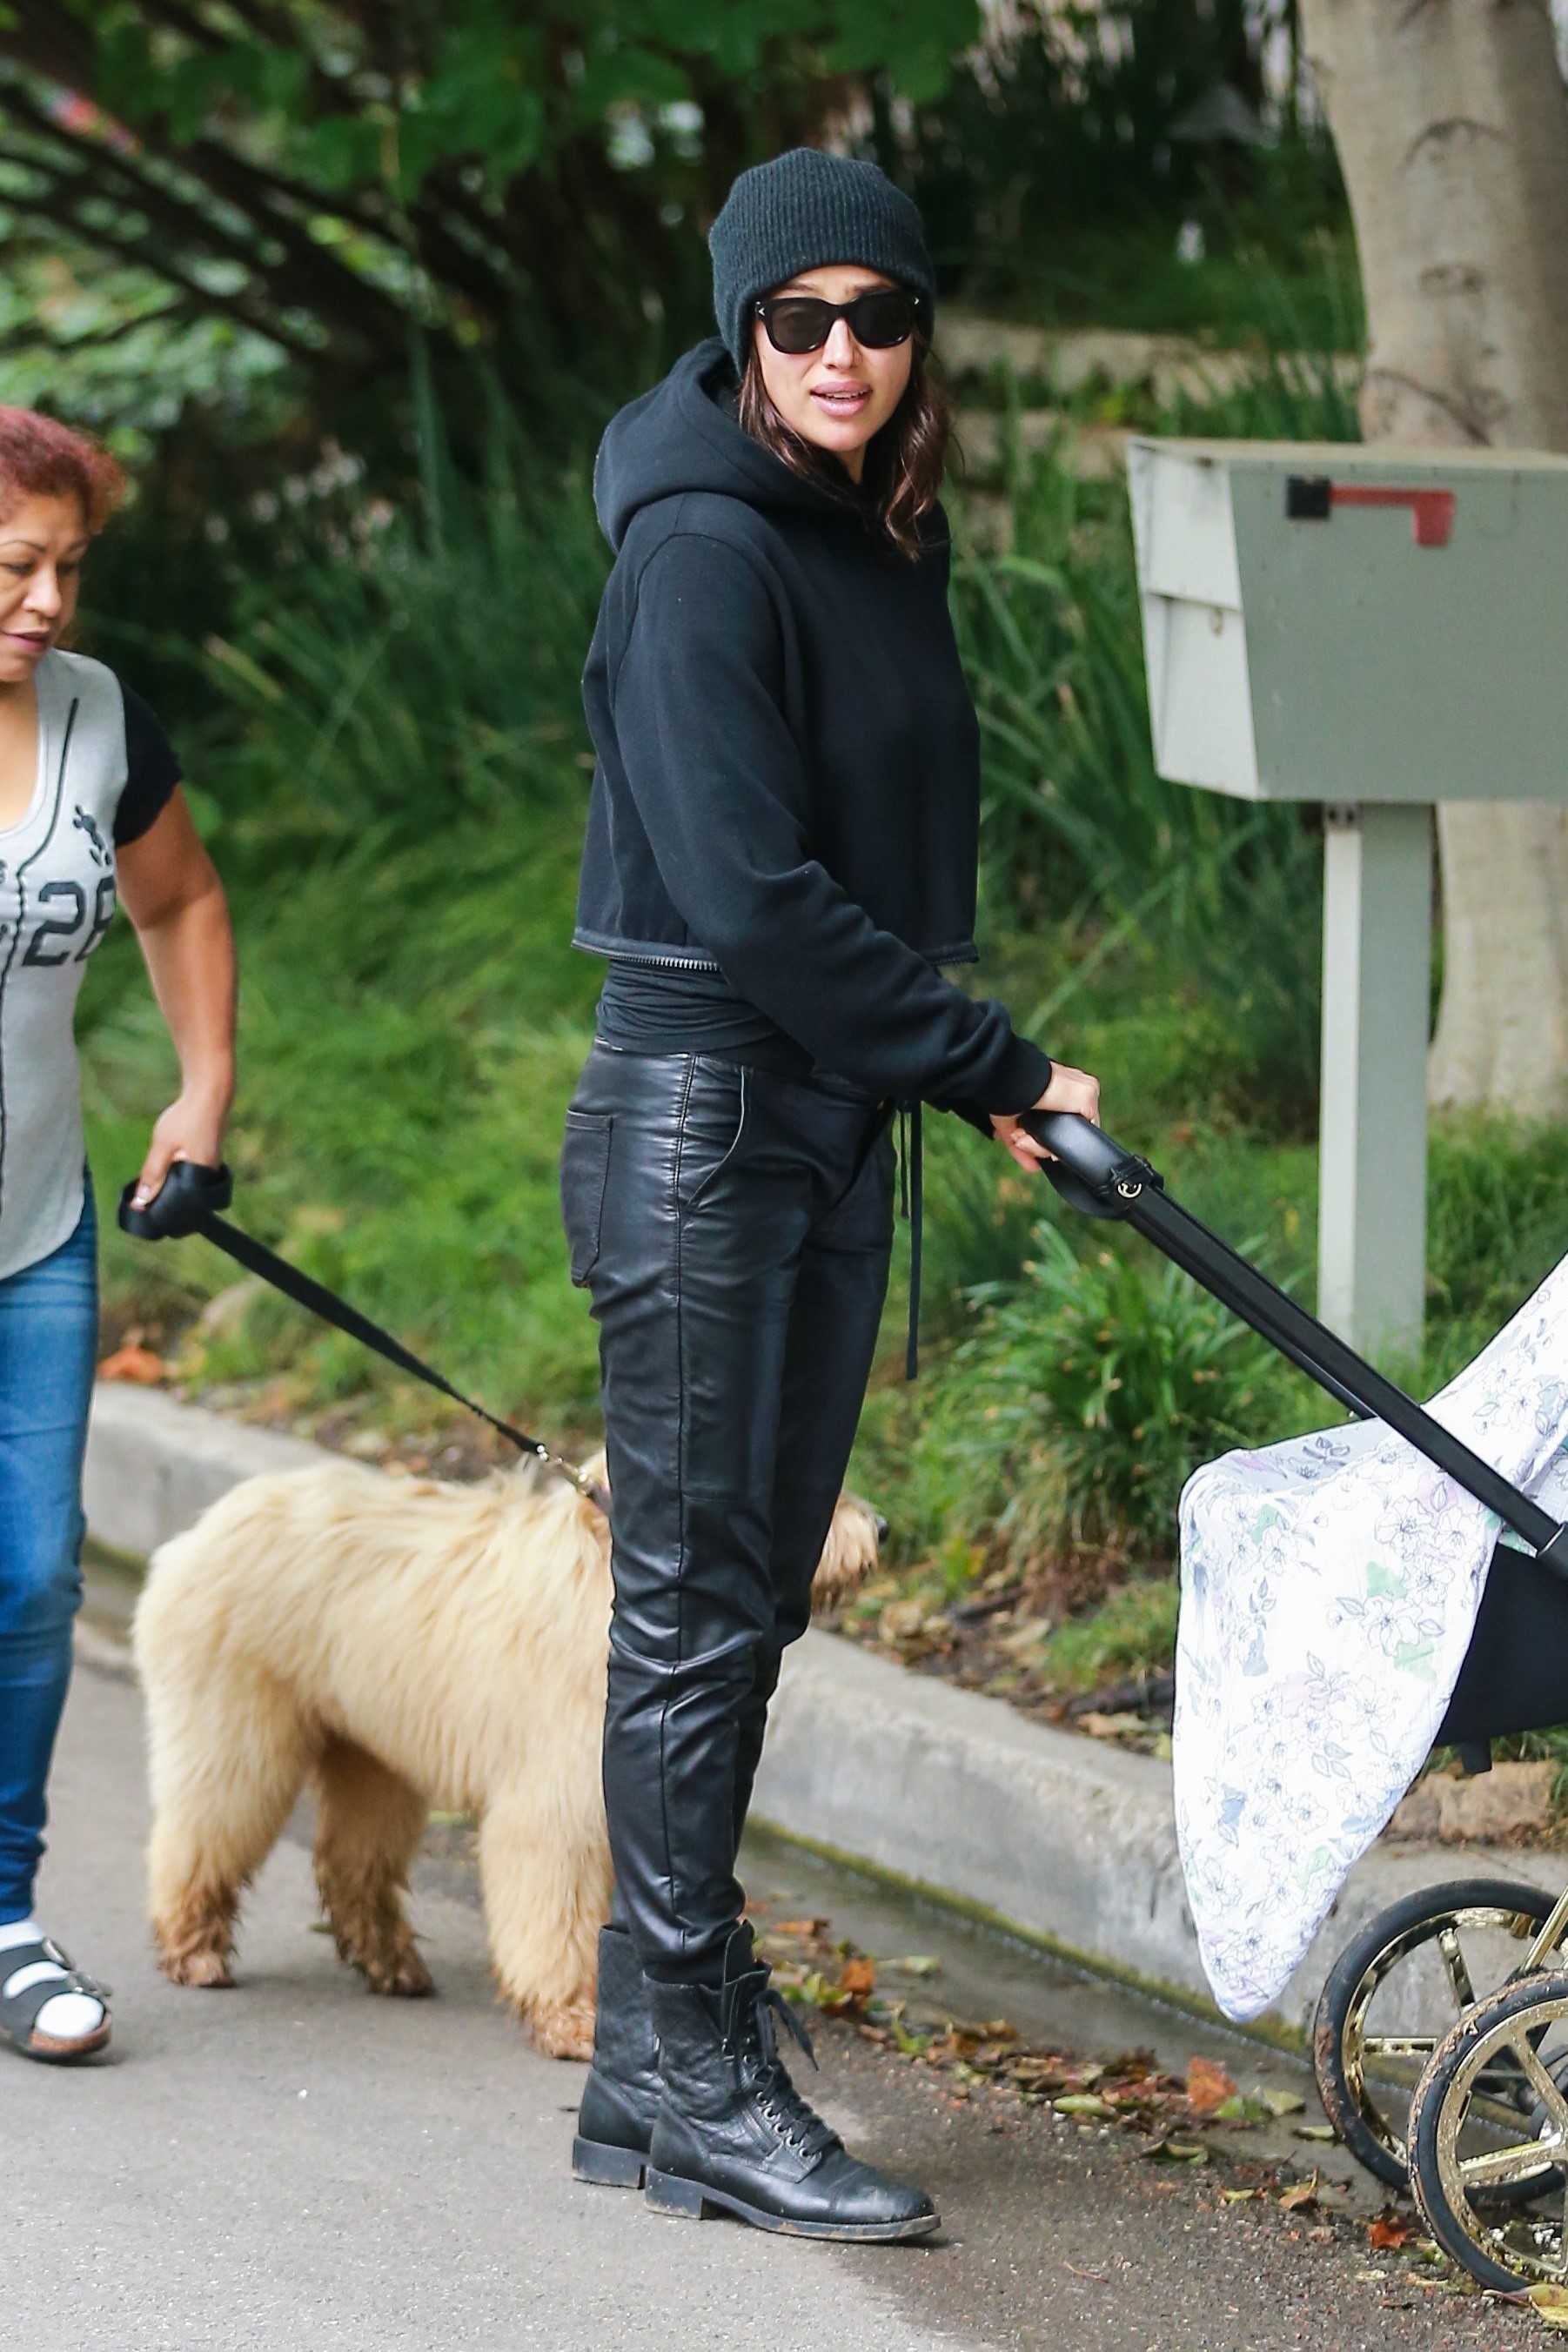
{"x":664,"y":964}
{"x":647,"y":960}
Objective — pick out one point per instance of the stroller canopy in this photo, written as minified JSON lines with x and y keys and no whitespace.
{"x":1330,"y":1588}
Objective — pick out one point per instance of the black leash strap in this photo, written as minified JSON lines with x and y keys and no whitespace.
{"x":911,"y":1207}
{"x":188,"y":1203}
{"x":1097,"y":1175}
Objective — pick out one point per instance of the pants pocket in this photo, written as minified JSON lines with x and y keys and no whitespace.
{"x":584,"y":1167}
{"x":711,"y":1126}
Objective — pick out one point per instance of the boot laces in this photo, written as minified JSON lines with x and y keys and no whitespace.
{"x":794,"y":2118}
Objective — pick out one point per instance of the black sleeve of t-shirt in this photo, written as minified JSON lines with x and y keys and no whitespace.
{"x":151,"y":770}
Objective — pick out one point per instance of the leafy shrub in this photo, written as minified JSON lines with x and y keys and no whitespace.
{"x":1184,"y":899}
{"x":426,"y":668}
{"x":1496,"y":1226}
{"x":1106,"y":1379}
{"x":980,"y":1215}
{"x":1286,"y":394}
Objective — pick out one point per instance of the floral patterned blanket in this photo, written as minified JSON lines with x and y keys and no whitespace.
{"x":1329,"y":1590}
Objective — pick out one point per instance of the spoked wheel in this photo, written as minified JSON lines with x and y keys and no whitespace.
{"x":1468,"y":2149}
{"x":1397,"y":1989}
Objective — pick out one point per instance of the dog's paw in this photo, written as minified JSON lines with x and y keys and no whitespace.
{"x":401,"y":1974}
{"x":561,"y":2029}
{"x":207,"y":1969}
{"x":850,"y":1554}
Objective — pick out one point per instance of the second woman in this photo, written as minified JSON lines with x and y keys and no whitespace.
{"x":781,"y":857}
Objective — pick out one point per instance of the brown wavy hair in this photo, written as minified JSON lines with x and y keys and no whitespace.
{"x":41,"y":458}
{"x":904,"y":462}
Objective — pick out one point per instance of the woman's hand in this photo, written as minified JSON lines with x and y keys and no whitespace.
{"x":191,"y":1128}
{"x":1069,"y":1089}
{"x":171,"y":894}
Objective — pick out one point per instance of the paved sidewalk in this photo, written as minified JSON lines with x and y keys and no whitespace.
{"x":295,"y":2164}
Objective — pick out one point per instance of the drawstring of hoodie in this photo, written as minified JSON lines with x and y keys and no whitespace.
{"x":912,"y":1209}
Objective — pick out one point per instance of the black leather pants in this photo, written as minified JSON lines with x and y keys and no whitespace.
{"x":733,"y":1229}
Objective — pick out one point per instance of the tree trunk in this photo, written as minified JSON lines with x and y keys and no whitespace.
{"x":1452,"y":129}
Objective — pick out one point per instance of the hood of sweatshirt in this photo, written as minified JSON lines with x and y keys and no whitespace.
{"x":682,"y":436}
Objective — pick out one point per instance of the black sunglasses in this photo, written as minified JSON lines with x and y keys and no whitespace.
{"x":880,"y":319}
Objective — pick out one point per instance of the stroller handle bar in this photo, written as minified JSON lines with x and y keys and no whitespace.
{"x":1101,"y":1177}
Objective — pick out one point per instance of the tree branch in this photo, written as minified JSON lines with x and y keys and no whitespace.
{"x":98,"y":338}
{"x":186,"y":23}
{"x":310,"y":276}
{"x":92,"y":159}
{"x":145,"y":254}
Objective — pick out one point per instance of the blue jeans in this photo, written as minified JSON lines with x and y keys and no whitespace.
{"x":48,"y":1334}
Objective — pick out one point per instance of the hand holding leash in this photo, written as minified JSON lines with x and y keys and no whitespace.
{"x":187,"y":1196}
{"x":188,"y":1202}
{"x":190,"y":1128}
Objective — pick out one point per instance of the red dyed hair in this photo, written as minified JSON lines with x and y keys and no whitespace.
{"x":42,"y":458}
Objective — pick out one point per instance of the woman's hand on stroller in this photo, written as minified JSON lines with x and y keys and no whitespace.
{"x":1069,"y":1089}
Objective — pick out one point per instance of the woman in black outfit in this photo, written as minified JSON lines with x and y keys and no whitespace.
{"x":781,"y":856}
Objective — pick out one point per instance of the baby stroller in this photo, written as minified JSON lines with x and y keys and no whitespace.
{"x":1441,"y":2038}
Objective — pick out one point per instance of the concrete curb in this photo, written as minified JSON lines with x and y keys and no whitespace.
{"x":1054,"y":1837}
{"x":1048,"y":1835}
{"x":153,"y":1465}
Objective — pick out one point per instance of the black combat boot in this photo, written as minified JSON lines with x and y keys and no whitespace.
{"x":621,"y":2095}
{"x":732,"y":2133}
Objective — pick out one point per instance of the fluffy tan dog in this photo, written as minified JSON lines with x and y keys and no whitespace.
{"x":401,"y":1643}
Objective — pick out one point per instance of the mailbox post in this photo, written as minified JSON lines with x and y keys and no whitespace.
{"x":1376,"y":630}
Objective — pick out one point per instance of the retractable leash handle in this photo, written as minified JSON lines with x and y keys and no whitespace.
{"x":188,"y":1201}
{"x":1094,"y":1173}
{"x":187,"y":1196}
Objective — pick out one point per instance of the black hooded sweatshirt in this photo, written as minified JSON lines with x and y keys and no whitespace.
{"x":787,"y":786}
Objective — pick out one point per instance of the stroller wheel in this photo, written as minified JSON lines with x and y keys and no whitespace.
{"x":1467,"y":2144}
{"x":1397,"y":1989}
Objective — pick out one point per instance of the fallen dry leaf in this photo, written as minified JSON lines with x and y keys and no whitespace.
{"x":796,"y":1926}
{"x":1242,"y":2109}
{"x":1551,"y":2304}
{"x":1389,"y":2230}
{"x":1300,"y":2193}
{"x":1208,"y":2085}
{"x":857,"y":1978}
{"x":1042,"y":2073}
{"x":139,"y":1365}
{"x":1166,"y":2150}
{"x":1283,"y":2102}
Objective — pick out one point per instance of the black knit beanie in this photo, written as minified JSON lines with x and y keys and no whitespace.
{"x":806,"y":210}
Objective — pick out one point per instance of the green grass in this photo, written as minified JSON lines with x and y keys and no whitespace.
{"x":412,"y":1023}
{"x":1131,"y":1632}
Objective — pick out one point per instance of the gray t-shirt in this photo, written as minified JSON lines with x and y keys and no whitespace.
{"x":105,"y":771}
